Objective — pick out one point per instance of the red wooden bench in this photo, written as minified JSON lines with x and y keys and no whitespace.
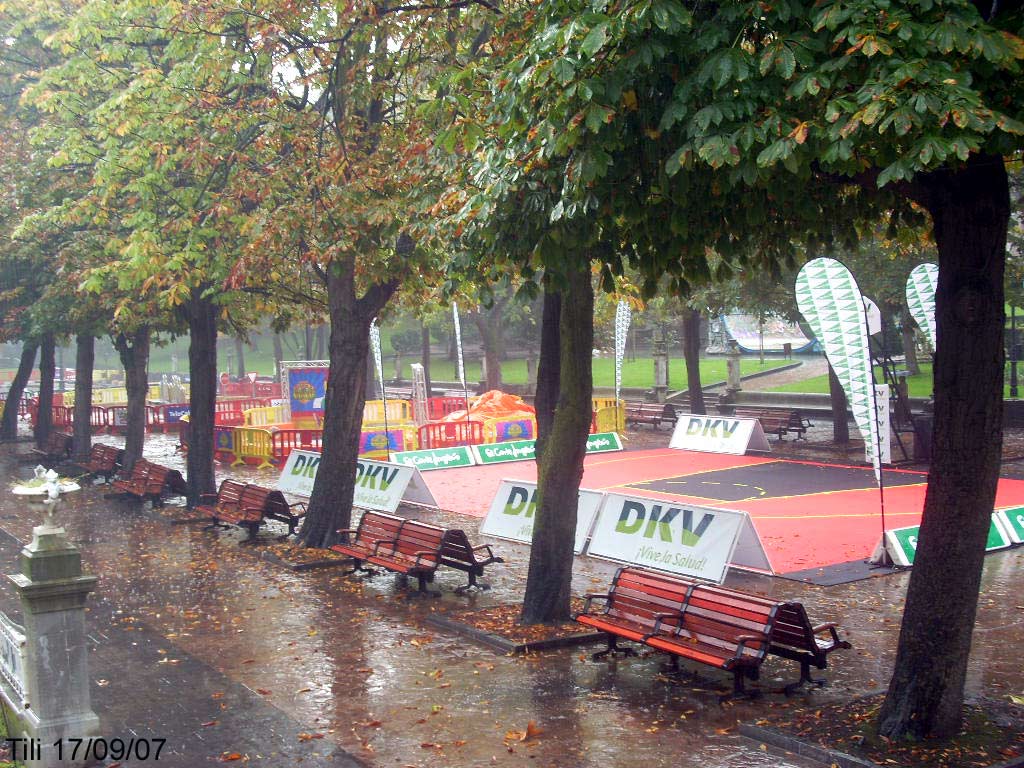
{"x":776,"y":421}
{"x":151,"y":481}
{"x":717,"y":626}
{"x":57,"y":447}
{"x":457,"y":552}
{"x":104,"y":461}
{"x":651,"y":413}
{"x":374,"y":529}
{"x":415,"y":551}
{"x":227,"y":497}
{"x":256,"y":504}
{"x":133,"y":481}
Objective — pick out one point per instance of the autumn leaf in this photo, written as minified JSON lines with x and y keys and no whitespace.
{"x":229,"y":757}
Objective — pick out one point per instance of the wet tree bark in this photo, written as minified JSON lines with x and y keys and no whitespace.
{"x":47,"y":369}
{"x":133,"y":349}
{"x":546,"y":395}
{"x":907,"y":339}
{"x":425,"y":354}
{"x":691,"y":356}
{"x":970,"y":211}
{"x":85,"y":357}
{"x":840,"y":421}
{"x":548,"y":583}
{"x":9,"y":425}
{"x":330,"y":504}
{"x":201,"y":313}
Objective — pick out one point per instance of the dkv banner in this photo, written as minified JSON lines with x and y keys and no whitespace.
{"x":380,"y":485}
{"x":511,"y":514}
{"x":671,"y":536}
{"x":717,"y":434}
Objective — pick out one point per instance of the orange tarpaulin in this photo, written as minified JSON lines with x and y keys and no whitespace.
{"x":494,"y":405}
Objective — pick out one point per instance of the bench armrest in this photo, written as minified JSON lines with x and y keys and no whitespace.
{"x":432,"y":554}
{"x":590,"y":597}
{"x":378,"y":542}
{"x":830,"y":627}
{"x":491,"y":558}
{"x":757,"y":637}
{"x":299,"y":504}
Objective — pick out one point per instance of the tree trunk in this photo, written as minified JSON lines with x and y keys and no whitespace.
{"x":321,"y":341}
{"x":240,"y":357}
{"x":907,"y":338}
{"x":9,"y":426}
{"x":840,"y":420}
{"x":308,"y":343}
{"x":47,"y":368}
{"x":202,"y":366}
{"x":330,"y":504}
{"x":85,"y":358}
{"x":970,"y":211}
{"x":133,"y":348}
{"x":425,"y":354}
{"x":691,"y":355}
{"x":546,"y":395}
{"x":549,"y":580}
{"x":278,"y":354}
{"x":490,"y":323}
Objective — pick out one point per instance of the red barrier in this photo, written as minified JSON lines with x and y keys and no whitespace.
{"x":117,"y":418}
{"x":267,"y":389}
{"x":100,"y":419}
{"x":439,"y":407}
{"x":166,"y":416}
{"x":284,"y":441}
{"x":63,"y":416}
{"x":450,"y":434}
{"x":240,"y":403}
{"x":229,"y":419}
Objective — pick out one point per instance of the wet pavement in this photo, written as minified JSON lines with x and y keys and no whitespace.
{"x":199,"y":641}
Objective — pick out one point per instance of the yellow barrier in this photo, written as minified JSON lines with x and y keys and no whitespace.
{"x":609,"y":414}
{"x":252,"y":443}
{"x":399,"y":413}
{"x":503,"y":430}
{"x":265,"y":416}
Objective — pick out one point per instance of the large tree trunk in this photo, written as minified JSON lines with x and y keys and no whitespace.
{"x":278,"y":354}
{"x":47,"y":368}
{"x":330,"y":504}
{"x":133,"y":348}
{"x":490,"y":323}
{"x":546,"y":395}
{"x":840,"y":420}
{"x":549,"y":580}
{"x":202,"y":366}
{"x":970,"y":211}
{"x":85,"y":357}
{"x":9,"y":425}
{"x":907,"y":339}
{"x":691,"y":355}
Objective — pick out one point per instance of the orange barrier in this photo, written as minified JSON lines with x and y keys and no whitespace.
{"x":447,"y":434}
{"x":284,"y":441}
{"x":439,"y":407}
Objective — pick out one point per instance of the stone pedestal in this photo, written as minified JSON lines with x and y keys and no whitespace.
{"x":660,"y":370}
{"x":53,"y":592}
{"x":732,"y":368}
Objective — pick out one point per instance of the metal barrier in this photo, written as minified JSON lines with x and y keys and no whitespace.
{"x":439,"y":407}
{"x":251,"y":444}
{"x":165,"y":416}
{"x":284,"y":441}
{"x":240,"y":403}
{"x":503,"y":430}
{"x":399,"y":413}
{"x":266,"y":416}
{"x":448,"y":434}
{"x":99,"y":419}
{"x":229,"y":418}
{"x":117,"y":418}
{"x":378,"y":444}
{"x":609,"y":418}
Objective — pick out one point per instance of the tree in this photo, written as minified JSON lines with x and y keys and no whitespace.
{"x":740,"y":125}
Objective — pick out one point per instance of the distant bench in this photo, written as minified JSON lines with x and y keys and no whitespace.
{"x":776,"y":421}
{"x":412,"y":548}
{"x":57,"y":447}
{"x":104,"y":461}
{"x":720,"y":627}
{"x":654,"y":414}
{"x":248,"y":506}
{"x":150,"y":481}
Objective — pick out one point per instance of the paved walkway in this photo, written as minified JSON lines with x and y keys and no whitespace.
{"x":197,"y":640}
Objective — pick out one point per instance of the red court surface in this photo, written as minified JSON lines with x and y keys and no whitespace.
{"x":808,"y":515}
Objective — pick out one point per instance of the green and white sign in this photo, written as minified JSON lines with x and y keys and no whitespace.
{"x":525,"y":450}
{"x":921,"y":298}
{"x":831,"y":302}
{"x":718,"y":434}
{"x":499,"y":453}
{"x":511,"y":515}
{"x":1013,"y":523}
{"x":901,"y":543}
{"x":673,"y":536}
{"x":379,"y":485}
{"x":435,"y":458}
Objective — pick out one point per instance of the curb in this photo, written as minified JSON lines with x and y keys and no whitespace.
{"x":498,"y":643}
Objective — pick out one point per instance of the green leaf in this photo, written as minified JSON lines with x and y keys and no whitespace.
{"x":595,"y":40}
{"x":564,"y":71}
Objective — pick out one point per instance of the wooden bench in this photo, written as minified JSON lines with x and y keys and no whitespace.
{"x":104,"y":461}
{"x":717,"y":626}
{"x":650,"y":413}
{"x":374,"y":529}
{"x":775,"y":421}
{"x":457,"y":552}
{"x":415,"y":551}
{"x":254,"y":505}
{"x":151,"y":481}
{"x":227,"y":497}
{"x":57,"y":447}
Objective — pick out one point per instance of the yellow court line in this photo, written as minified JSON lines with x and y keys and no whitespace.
{"x":842,"y":490}
{"x":755,"y":518}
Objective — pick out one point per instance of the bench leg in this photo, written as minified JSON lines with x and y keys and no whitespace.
{"x":251,"y":530}
{"x":215,"y":524}
{"x":473,"y":584}
{"x":805,"y":677}
{"x":612,"y":649}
